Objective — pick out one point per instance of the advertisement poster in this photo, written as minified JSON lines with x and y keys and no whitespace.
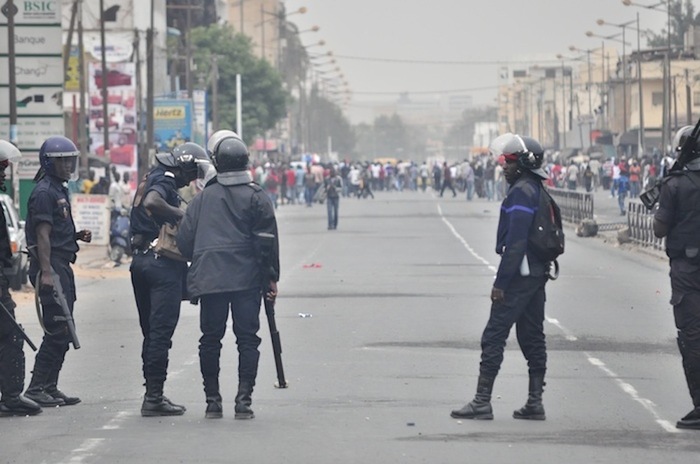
{"x":172,"y":123}
{"x":92,"y":212}
{"x":121,"y":117}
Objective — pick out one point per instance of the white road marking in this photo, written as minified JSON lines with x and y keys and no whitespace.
{"x":632,"y":392}
{"x":116,"y":422}
{"x":464,"y":242}
{"x":624,"y":386}
{"x":86,"y":450}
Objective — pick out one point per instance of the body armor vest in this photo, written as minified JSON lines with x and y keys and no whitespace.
{"x":683,"y":240}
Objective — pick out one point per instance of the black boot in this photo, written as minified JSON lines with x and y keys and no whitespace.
{"x":480,"y":407}
{"x":155,"y":404}
{"x":52,"y":389}
{"x":12,"y":382}
{"x":215,"y":409}
{"x":533,"y":409}
{"x":692,"y":377}
{"x":40,"y":376}
{"x":243,"y":401}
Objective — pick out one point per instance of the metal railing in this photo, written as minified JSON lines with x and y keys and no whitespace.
{"x":574,"y":206}
{"x":641,"y":226}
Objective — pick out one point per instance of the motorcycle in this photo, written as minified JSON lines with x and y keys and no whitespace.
{"x":119,"y":245}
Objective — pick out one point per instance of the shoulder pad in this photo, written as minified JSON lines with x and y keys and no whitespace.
{"x":255,"y":186}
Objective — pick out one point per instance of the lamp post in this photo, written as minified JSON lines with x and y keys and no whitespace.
{"x":590,"y":97}
{"x":666,"y":123}
{"x":622,"y":26}
{"x":614,"y":38}
{"x":563,"y":100}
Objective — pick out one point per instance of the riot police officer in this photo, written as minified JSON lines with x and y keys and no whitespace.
{"x":51,"y":233}
{"x":12,"y":363}
{"x":678,"y":219}
{"x":518,"y":293}
{"x":158,"y":280}
{"x":218,"y":234}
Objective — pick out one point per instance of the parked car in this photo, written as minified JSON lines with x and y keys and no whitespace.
{"x":17,"y":274}
{"x":114,"y":78}
{"x":99,"y":123}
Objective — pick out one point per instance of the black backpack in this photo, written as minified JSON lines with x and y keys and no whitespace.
{"x":546,"y":238}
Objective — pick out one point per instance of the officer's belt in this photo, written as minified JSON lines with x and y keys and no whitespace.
{"x":63,"y":255}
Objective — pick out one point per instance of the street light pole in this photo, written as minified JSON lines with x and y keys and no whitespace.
{"x":640,"y":132}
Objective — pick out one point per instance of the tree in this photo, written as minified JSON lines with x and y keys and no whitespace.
{"x":682,"y":17}
{"x":326,"y":120}
{"x":459,"y":137}
{"x":264,"y":100}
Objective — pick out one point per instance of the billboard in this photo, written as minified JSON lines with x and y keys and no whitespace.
{"x":121,"y":117}
{"x":38,"y":78}
{"x":173,"y":120}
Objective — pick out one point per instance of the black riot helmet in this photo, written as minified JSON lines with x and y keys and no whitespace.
{"x":230,"y":154}
{"x":188,"y":157}
{"x":679,"y":140}
{"x":527,"y":152}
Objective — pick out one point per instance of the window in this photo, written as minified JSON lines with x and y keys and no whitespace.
{"x":696,"y":98}
{"x":657,"y":98}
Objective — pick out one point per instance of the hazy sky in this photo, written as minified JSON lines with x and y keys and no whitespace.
{"x":466,"y":31}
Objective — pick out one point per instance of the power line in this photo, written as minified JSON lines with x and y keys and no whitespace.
{"x":443,"y":62}
{"x":425,"y":92}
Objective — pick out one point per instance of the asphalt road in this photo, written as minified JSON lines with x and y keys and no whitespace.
{"x":394,"y":302}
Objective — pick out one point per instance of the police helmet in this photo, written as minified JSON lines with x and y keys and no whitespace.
{"x":528,"y":153}
{"x":187,"y":157}
{"x":231,"y":154}
{"x":217,"y":137}
{"x":59,"y":147}
{"x":8,"y":152}
{"x":681,"y":136}
{"x":496,"y":146}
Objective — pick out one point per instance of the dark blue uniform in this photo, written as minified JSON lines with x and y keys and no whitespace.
{"x":157,"y":281}
{"x":524,"y":295}
{"x":679,"y":209}
{"x":50,"y":203}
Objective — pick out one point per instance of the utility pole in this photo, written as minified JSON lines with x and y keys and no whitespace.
{"x":82,"y":127}
{"x":188,"y":50}
{"x":105,"y":72}
{"x":215,"y":94}
{"x":149,"y":93}
{"x":688,"y":108}
{"x":10,"y":10}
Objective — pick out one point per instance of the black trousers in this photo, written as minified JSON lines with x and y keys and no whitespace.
{"x":52,"y":352}
{"x":524,"y":307}
{"x":11,"y":347}
{"x":245,"y":310}
{"x":158,"y":290}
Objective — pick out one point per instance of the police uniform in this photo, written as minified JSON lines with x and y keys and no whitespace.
{"x":518,"y":294}
{"x":49,"y":203}
{"x":12,"y":363}
{"x":679,"y":209}
{"x":157,"y":281}
{"x":218,"y":233}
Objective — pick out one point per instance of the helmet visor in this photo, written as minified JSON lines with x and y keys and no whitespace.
{"x":205,"y":173}
{"x":66,"y":167}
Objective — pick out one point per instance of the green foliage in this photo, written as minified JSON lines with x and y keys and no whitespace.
{"x":682,"y":16}
{"x":263,"y":98}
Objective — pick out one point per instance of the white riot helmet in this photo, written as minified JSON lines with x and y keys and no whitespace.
{"x":217,"y":137}
{"x":9,"y":152}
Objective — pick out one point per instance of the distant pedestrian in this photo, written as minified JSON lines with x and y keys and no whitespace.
{"x":334,"y":187}
{"x":447,"y":180}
